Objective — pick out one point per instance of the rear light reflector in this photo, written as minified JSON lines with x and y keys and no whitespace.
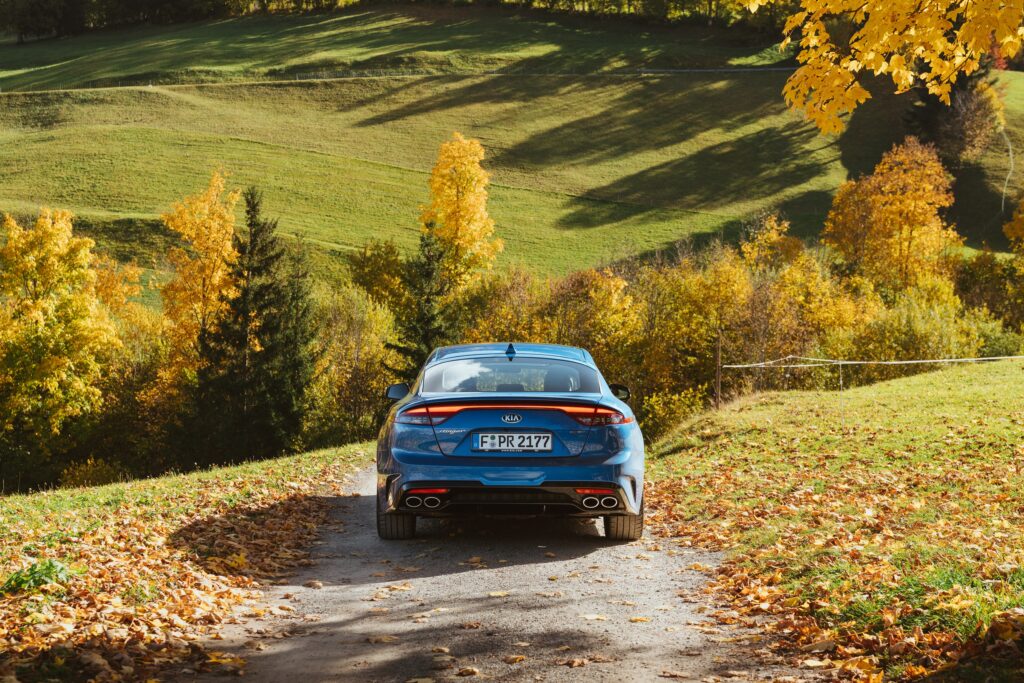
{"x":596,"y":492}
{"x":425,"y":492}
{"x":590,"y":416}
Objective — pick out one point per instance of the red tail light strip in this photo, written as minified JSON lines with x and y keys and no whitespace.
{"x":586,"y":415}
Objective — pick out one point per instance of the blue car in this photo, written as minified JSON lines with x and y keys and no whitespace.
{"x":520,"y":429}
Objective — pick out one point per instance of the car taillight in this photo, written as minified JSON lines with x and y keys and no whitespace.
{"x":596,"y":492}
{"x":602,"y":417}
{"x":425,"y":492}
{"x":586,"y":415}
{"x":416,"y":416}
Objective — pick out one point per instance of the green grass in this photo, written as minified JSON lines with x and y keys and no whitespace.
{"x":901,"y":500}
{"x":585,"y":169}
{"x":55,"y":518}
{"x":405,"y":37}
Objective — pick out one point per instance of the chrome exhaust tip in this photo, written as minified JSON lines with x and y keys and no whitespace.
{"x":591,"y":502}
{"x":609,"y":502}
{"x":432,"y":502}
{"x":413,"y":501}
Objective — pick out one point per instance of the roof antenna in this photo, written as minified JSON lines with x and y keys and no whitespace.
{"x":510,"y":352}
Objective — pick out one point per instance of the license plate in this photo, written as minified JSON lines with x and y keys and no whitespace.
{"x":534,"y":443}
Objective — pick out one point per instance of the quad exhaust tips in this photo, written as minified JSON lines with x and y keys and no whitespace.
{"x":414,"y":501}
{"x":609,"y":502}
{"x":431,"y":502}
{"x":591,"y":502}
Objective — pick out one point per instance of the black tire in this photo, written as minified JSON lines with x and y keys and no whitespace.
{"x":395,"y":526}
{"x":624,"y":527}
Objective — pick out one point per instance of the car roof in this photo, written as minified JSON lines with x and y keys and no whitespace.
{"x":572,"y":353}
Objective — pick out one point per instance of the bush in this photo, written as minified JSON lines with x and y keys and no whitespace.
{"x":346,"y":401}
{"x":664,"y":410}
{"x":92,"y":472}
{"x":926,"y":321}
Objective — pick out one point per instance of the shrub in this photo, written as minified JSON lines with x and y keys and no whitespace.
{"x":926,"y":321}
{"x":663,"y":410}
{"x":346,"y":401}
{"x":92,"y":472}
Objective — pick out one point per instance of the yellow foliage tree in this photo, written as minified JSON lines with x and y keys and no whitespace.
{"x":202,"y":283}
{"x":54,"y":329}
{"x":887,"y":226}
{"x":1014,"y":230}
{"x":593,"y":309}
{"x":910,"y":41}
{"x":457,"y":215}
{"x":769,"y":245}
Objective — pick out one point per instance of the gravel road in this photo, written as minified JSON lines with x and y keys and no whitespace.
{"x":507,"y":599}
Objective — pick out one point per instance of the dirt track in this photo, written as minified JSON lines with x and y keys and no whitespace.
{"x":517,"y":600}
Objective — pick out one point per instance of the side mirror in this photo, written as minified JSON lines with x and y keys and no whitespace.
{"x":396,"y":392}
{"x":621,"y":391}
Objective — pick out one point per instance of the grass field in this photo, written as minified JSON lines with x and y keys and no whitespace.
{"x":429,"y":38}
{"x":95,"y":580}
{"x":586,"y":168}
{"x":891,"y":514}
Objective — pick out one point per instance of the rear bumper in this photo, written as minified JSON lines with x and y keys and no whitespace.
{"x":467,"y":496}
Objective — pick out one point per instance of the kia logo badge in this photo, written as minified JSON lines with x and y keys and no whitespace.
{"x":511,"y":418}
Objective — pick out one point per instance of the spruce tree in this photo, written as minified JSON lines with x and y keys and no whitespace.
{"x":258,"y":362}
{"x":427,"y":322}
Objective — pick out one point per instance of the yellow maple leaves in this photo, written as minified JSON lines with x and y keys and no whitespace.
{"x":931,"y":41}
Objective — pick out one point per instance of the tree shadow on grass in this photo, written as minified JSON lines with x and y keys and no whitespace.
{"x":748,"y":166}
{"x":1004,"y":667}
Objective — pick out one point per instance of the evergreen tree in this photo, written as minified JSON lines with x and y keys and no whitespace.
{"x":258,"y":362}
{"x":427,"y":322}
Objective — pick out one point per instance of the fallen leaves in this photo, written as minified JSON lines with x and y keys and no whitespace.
{"x":875,"y":546}
{"x":152,"y":566}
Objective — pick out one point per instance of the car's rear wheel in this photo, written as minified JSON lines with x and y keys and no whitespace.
{"x":624,"y":527}
{"x":394,"y":526}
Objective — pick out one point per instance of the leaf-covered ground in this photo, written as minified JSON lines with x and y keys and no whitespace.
{"x":115,"y":582}
{"x":882,"y":527}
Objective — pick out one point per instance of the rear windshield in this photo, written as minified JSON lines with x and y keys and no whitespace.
{"x":499,"y":374}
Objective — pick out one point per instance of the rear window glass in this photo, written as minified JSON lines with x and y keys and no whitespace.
{"x":500,"y":375}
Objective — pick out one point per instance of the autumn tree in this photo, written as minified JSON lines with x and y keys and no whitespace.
{"x":55,"y":334}
{"x":457,"y":214}
{"x":457,"y":243}
{"x":1014,"y":229}
{"x":202,"y":284}
{"x":256,"y":363}
{"x":932,"y":42}
{"x":888,"y":226}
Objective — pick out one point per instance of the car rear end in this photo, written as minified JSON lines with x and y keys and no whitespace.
{"x":529,"y":432}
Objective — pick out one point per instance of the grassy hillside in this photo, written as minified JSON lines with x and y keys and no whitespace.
{"x":96,"y":580}
{"x":877,"y":511}
{"x":586,"y":169}
{"x":432,"y":38}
